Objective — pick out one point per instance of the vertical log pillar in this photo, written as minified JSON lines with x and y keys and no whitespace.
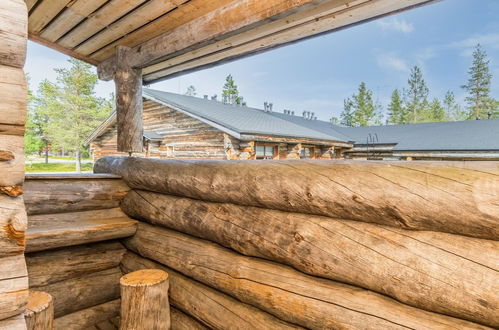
{"x":39,"y":313}
{"x":144,"y":300}
{"x":128,"y":81}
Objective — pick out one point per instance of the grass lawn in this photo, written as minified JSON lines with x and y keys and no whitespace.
{"x":56,"y":167}
{"x":67,"y":158}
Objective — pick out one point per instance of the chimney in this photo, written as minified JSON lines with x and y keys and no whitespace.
{"x":214,"y":97}
{"x":241,"y":101}
{"x":265,"y":106}
{"x":205,"y":97}
{"x":270,"y":106}
{"x":304,"y":114}
{"x":292,"y":113}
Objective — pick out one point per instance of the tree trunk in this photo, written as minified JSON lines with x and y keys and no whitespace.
{"x":46,"y":152}
{"x":78,"y":161}
{"x":432,"y":271}
{"x":410,"y":195}
{"x":39,"y":311}
{"x":286,"y":293}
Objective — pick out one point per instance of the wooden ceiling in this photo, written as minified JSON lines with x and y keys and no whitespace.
{"x":172,"y":37}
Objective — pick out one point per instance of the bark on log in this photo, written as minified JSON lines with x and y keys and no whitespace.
{"x":85,"y":291}
{"x":413,"y":195}
{"x":144,"y":300}
{"x":68,"y":195}
{"x":49,"y":267}
{"x":14,"y":27}
{"x":15,"y":167}
{"x":181,"y":321}
{"x":286,"y":293}
{"x":89,"y":316}
{"x":211,"y":307}
{"x":433,"y":271}
{"x":13,"y":286}
{"x":13,"y":223}
{"x":13,"y":323}
{"x":39,"y":312}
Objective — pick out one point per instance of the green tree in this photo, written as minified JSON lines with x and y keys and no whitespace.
{"x":452,"y":109}
{"x":396,"y":110}
{"x":80,"y":110}
{"x":362,"y":107}
{"x":346,"y":116}
{"x":230,"y":93}
{"x":478,"y":86}
{"x":435,"y":112}
{"x":416,"y":97}
{"x":191,"y":91}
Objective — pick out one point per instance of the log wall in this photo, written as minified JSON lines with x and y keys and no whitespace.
{"x":13,"y":221}
{"x":324,"y":244}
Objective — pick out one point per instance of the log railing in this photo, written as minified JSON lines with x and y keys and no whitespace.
{"x":347,"y":244}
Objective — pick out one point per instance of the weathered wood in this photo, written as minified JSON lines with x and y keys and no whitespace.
{"x":72,"y":218}
{"x":415,"y":195}
{"x":44,"y":13}
{"x":85,"y":291}
{"x":13,"y":323}
{"x":128,"y":81}
{"x":48,"y":267}
{"x":13,"y":224}
{"x":286,"y":293}
{"x":81,"y":232}
{"x":60,"y":196}
{"x":410,"y":266}
{"x":13,"y":285}
{"x":14,"y":167}
{"x":13,"y":34}
{"x":211,"y":307}
{"x":144,"y":300}
{"x":182,"y":321}
{"x":39,"y":312}
{"x":13,"y":98}
{"x":89,"y":316}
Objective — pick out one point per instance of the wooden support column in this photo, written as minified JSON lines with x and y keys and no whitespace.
{"x":39,"y":311}
{"x":128,"y":81}
{"x":144,"y":300}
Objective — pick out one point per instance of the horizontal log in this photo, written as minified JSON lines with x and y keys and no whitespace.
{"x":71,"y":195}
{"x":89,"y":316}
{"x":13,"y":323}
{"x":71,"y":218}
{"x":78,"y":232}
{"x":414,"y":195}
{"x":13,"y":223}
{"x":85,"y":291}
{"x":14,"y":27}
{"x":410,"y":266}
{"x":13,"y":97}
{"x":282,"y":291}
{"x":182,"y":321}
{"x":14,"y":145}
{"x":13,"y":286}
{"x":211,"y":307}
{"x":47,"y":267}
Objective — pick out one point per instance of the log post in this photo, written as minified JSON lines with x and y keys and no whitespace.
{"x":39,"y":312}
{"x":144,"y":300}
{"x":128,"y":81}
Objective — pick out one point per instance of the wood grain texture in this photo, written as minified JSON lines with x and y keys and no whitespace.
{"x":412,"y":195}
{"x":13,"y":224}
{"x":292,"y":296}
{"x":71,"y":195}
{"x":85,"y":291}
{"x":47,"y":267}
{"x":88,"y":317}
{"x":144,"y":300}
{"x":39,"y":312}
{"x":413,"y":267}
{"x":13,"y":99}
{"x":44,"y":13}
{"x":182,"y":321}
{"x":13,"y":286}
{"x":13,"y":33}
{"x":213,"y":308}
{"x":13,"y":323}
{"x":72,"y":218}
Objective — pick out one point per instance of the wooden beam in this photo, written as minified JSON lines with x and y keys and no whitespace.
{"x":61,"y":49}
{"x":128,"y":83}
{"x":13,"y":27}
{"x":234,"y":18}
{"x":44,"y":13}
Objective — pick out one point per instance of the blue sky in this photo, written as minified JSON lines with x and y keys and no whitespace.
{"x":318,"y":74}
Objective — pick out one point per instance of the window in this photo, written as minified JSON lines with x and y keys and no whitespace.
{"x":265,"y":152}
{"x":307,"y":152}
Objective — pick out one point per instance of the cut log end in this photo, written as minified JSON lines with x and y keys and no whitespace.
{"x":145,"y":277}
{"x":39,"y":312}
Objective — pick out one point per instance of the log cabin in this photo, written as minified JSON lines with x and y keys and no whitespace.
{"x":278,"y":244}
{"x":187,"y":127}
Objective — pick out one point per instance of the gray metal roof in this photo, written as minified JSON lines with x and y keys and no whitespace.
{"x":152,"y":136}
{"x":243,"y":120}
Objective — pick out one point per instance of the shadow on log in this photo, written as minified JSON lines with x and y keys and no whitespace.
{"x":413,"y":195}
{"x":286,"y":293}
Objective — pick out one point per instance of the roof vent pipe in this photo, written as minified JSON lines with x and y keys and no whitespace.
{"x":205,"y":97}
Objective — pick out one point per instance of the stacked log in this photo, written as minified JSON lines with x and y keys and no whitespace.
{"x":415,"y":195}
{"x":281,"y":291}
{"x":13,"y":101}
{"x":432,"y":271}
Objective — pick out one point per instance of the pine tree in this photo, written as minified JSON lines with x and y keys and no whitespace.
{"x":230,"y":93}
{"x":416,"y":97}
{"x":396,"y":109}
{"x":346,"y":116}
{"x":453,"y":110}
{"x":478,"y":86}
{"x":436,"y":111}
{"x":364,"y":110}
{"x":191,"y":91}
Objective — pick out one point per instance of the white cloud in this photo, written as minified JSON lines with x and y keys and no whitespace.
{"x":490,"y":40}
{"x":396,"y":24}
{"x":391,"y":61}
